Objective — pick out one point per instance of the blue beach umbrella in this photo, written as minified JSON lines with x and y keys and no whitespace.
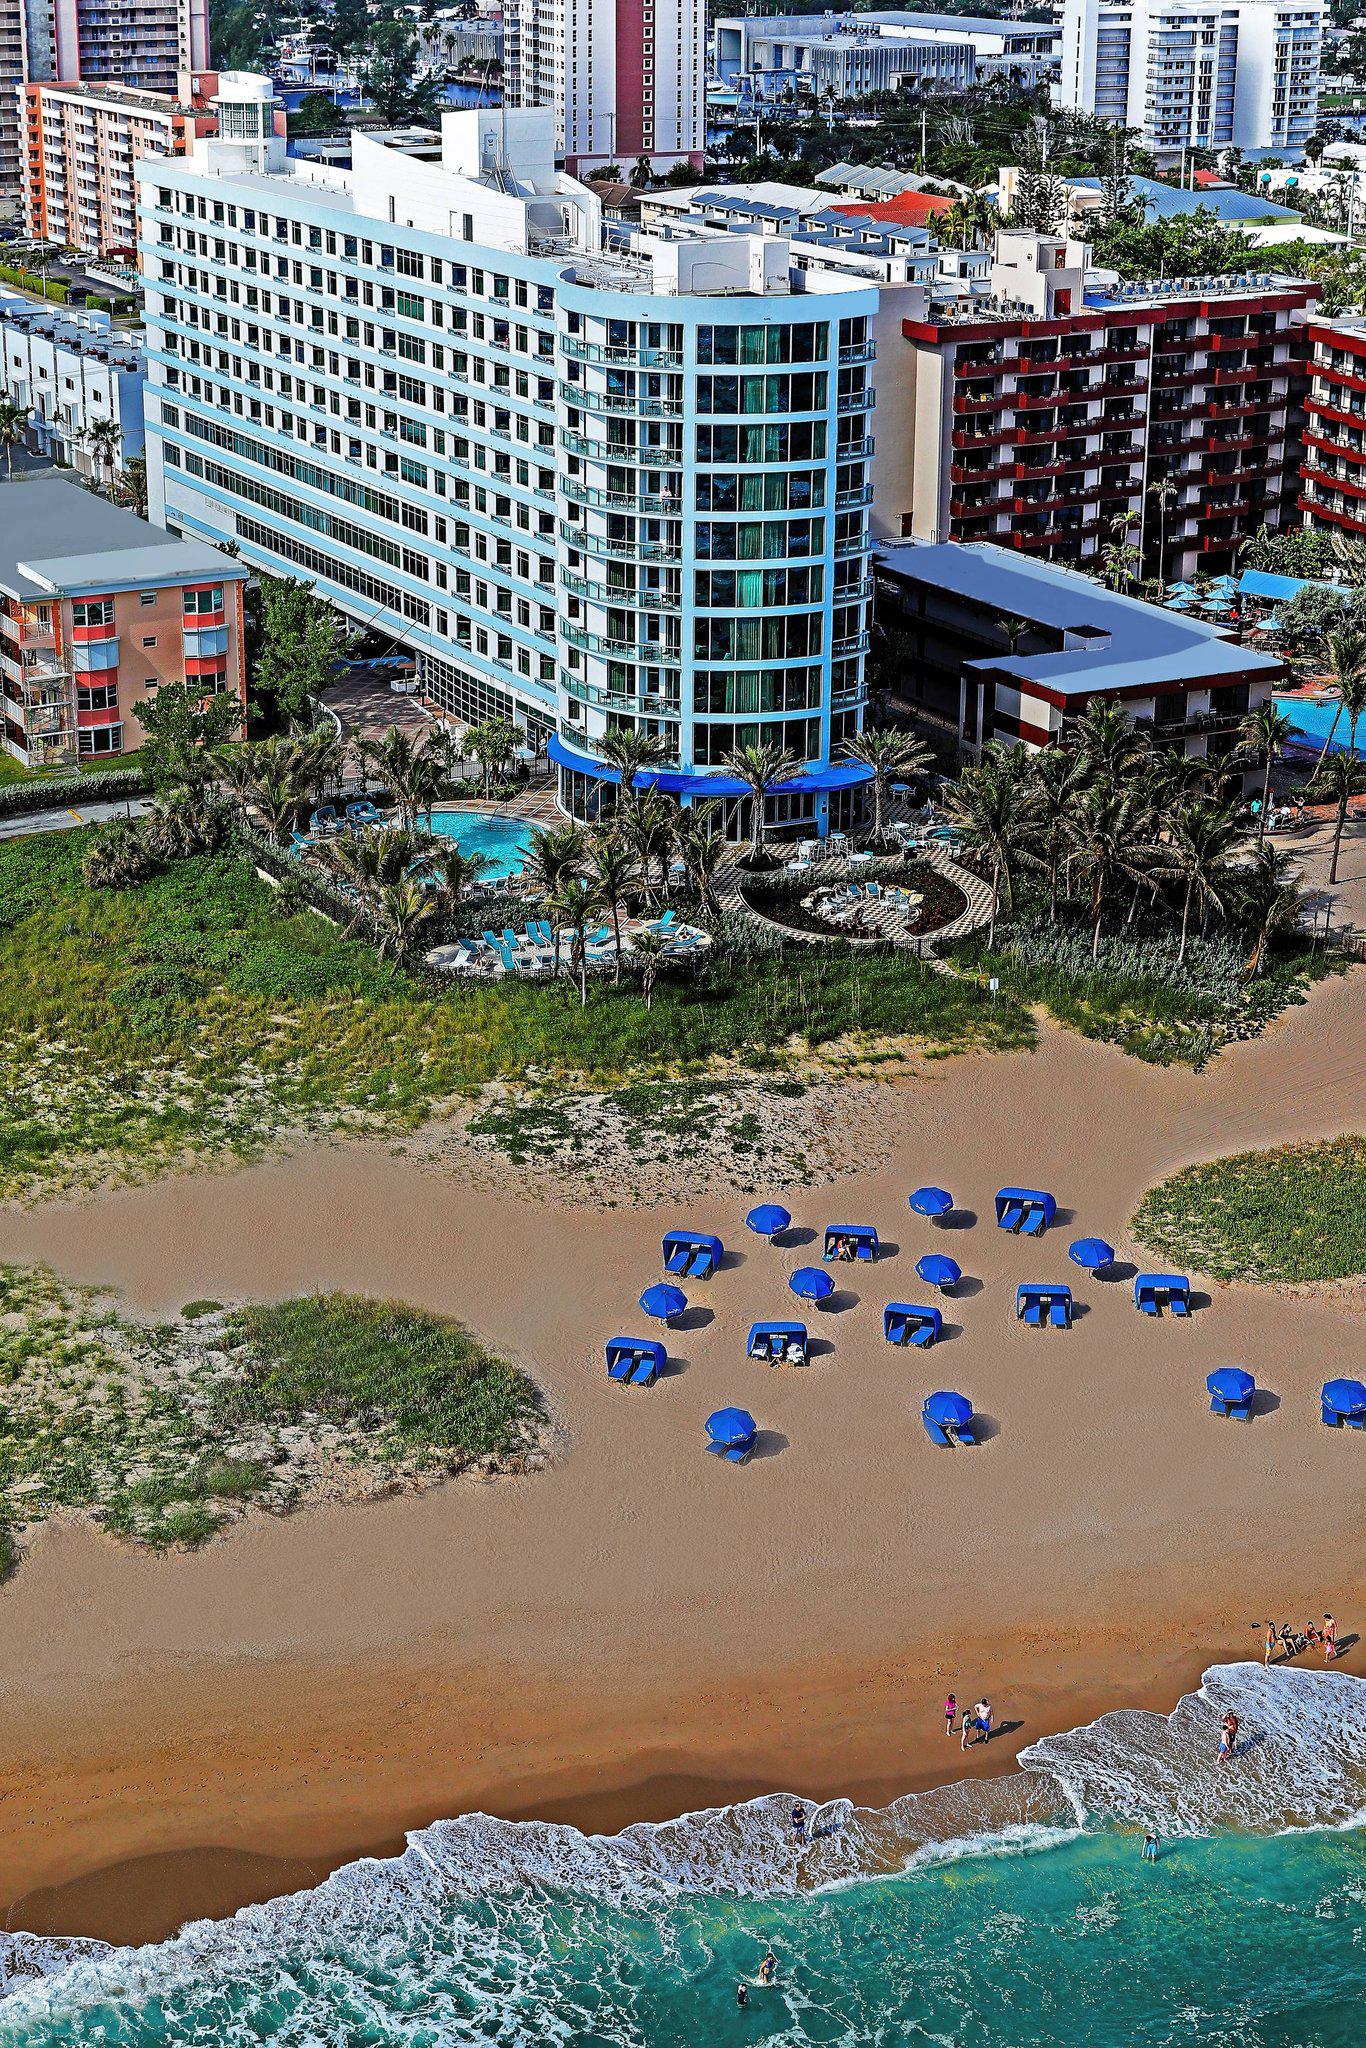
{"x":663,"y":1302}
{"x":934,"y":1202}
{"x":938,"y":1271}
{"x":811,"y":1283}
{"x":1346,"y":1397}
{"x":950,"y":1411}
{"x":1231,"y":1383}
{"x":768,"y":1219}
{"x":1091,"y":1252}
{"x":731,"y":1427}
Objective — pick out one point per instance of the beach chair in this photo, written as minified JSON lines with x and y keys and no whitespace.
{"x":1011,"y":1217}
{"x":635,"y":1361}
{"x":363,"y":812}
{"x":324,"y":819}
{"x":665,"y":923}
{"x":936,"y":1432}
{"x":1034,"y":1221}
{"x":491,"y":939}
{"x":1239,"y":1407}
{"x":1060,"y":1313}
{"x":906,"y":1322}
{"x":1032,"y":1313}
{"x":962,"y":1433}
{"x":691,"y":1254}
{"x":300,"y":843}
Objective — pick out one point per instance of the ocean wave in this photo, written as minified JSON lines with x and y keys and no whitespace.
{"x":1301,"y":1762}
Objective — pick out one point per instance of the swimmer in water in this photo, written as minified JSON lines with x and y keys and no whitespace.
{"x":768,"y":1969}
{"x":1150,"y":1847}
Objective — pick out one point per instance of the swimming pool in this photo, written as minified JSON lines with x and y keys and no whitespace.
{"x":504,"y":842}
{"x":1315,"y":720}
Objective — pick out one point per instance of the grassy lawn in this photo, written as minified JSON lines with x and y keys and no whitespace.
{"x":190,"y":1016}
{"x":1295,"y":1213}
{"x":14,"y":771}
{"x":161,"y":1434}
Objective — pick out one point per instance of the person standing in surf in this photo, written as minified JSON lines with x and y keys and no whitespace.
{"x":1330,"y":1639}
{"x":1150,"y":1847}
{"x":768,"y":1969}
{"x":799,"y":1825}
{"x":1228,"y":1737}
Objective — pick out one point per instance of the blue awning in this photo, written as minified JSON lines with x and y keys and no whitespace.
{"x":673,"y":782}
{"x":1261,"y":583}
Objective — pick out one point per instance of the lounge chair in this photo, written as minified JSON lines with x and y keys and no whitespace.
{"x":1033,"y":1223}
{"x":1012,"y":1216}
{"x":300,"y":843}
{"x":1060,"y":1314}
{"x":1032,"y":1313}
{"x":962,"y":1433}
{"x":622,"y":1368}
{"x":492,"y":939}
{"x":664,"y":923}
{"x":1179,"y":1304}
{"x":936,"y":1433}
{"x":645,"y":1372}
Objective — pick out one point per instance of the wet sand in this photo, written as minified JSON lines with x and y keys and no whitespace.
{"x":640,"y":1629}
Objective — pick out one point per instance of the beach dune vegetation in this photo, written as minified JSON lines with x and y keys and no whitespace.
{"x":1294,"y":1213}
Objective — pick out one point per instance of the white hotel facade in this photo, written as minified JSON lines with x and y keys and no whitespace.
{"x":591,"y":491}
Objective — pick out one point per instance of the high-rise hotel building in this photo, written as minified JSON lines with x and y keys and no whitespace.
{"x":593,"y":489}
{"x":626,"y":78}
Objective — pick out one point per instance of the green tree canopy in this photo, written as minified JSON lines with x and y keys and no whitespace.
{"x":300,"y":642}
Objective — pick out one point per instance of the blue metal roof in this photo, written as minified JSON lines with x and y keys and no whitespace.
{"x":675,"y":782}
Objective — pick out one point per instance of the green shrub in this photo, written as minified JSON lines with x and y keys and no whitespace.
{"x":194,"y":1309}
{"x":38,"y":793}
{"x":1295,"y":1213}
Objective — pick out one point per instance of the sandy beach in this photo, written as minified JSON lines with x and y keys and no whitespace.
{"x":639,"y":1630}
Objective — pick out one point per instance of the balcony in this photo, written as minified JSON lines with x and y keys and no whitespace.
{"x":605,"y":548}
{"x":653,"y":654}
{"x":666,"y":503}
{"x":611,"y":594}
{"x":619,"y":403}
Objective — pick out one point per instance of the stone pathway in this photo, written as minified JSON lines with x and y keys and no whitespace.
{"x":885,"y":917}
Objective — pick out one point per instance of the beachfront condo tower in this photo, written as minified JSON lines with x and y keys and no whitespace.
{"x":626,"y":78}
{"x":594,"y":485}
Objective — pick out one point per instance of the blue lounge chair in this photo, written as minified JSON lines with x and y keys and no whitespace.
{"x":363,"y":812}
{"x":492,"y":939}
{"x":664,"y":923}
{"x":906,"y":1322}
{"x":1025,"y":1211}
{"x":324,"y":818}
{"x":635,"y":1361}
{"x":772,"y":1341}
{"x":1155,"y":1291}
{"x":300,"y":843}
{"x":1037,"y":1302}
{"x":692,"y":1254}
{"x":861,"y":1236}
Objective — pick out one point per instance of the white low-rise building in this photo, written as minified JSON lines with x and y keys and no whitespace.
{"x":849,"y":56}
{"x":71,"y":370}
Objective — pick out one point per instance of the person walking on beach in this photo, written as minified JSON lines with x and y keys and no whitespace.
{"x":1150,"y":1847}
{"x":950,"y":1713}
{"x":799,"y":1824}
{"x":1271,"y":1644}
{"x":1228,"y":1737}
{"x":1330,"y":1639}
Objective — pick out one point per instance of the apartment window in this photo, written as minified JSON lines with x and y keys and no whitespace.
{"x":146,"y":597}
{"x":92,"y":611}
{"x":100,"y":739}
{"x":200,"y":601}
{"x":150,"y":640}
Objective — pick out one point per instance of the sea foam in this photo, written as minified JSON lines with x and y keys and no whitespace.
{"x":1301,"y":1762}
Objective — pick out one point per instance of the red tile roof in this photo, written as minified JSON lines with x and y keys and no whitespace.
{"x":908,"y":209}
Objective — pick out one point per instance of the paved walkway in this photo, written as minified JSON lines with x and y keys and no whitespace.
{"x":67,"y":818}
{"x":884,"y":920}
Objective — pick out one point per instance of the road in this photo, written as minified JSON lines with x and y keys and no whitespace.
{"x":64,"y":817}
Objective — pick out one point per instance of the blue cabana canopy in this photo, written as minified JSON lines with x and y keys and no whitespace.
{"x":1344,"y":1401}
{"x":692,"y":1254}
{"x":906,"y":1322}
{"x":768,"y":1219}
{"x":947,"y":1418}
{"x":811,"y":1283}
{"x":816,"y":776}
{"x":663,"y":1302}
{"x":1038,"y":1302}
{"x":1030,"y":1210}
{"x":860,"y":1236}
{"x":934,"y":1202}
{"x":1091,"y":1252}
{"x":731,"y":1433}
{"x":1231,"y":1391}
{"x":937,"y":1270}
{"x":771,"y":1341}
{"x":635,"y":1361}
{"x":1155,"y":1291}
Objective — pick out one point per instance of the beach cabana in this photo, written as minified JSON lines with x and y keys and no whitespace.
{"x":1155,"y":1291}
{"x":850,"y":1240}
{"x":776,"y":1343}
{"x":1025,"y":1210}
{"x":663,"y":1302}
{"x":1091,"y":1252}
{"x":692,"y":1254}
{"x":948,"y":1418}
{"x":1038,"y":1302}
{"x":811,"y":1283}
{"x":905,"y":1322}
{"x":1344,"y":1402}
{"x":1231,"y":1392}
{"x":363,"y":812}
{"x":937,"y":1270}
{"x":635,"y":1361}
{"x":768,"y":1220}
{"x":731,"y":1433}
{"x":931,"y":1202}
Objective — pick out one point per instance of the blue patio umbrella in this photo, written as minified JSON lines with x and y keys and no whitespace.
{"x":950,"y":1411}
{"x":931,"y":1201}
{"x":731,"y":1426}
{"x":938,"y":1271}
{"x":767,"y":1220}
{"x":811,"y":1283}
{"x":1346,"y":1397}
{"x":663,"y":1302}
{"x":1231,"y":1383}
{"x":1091,"y":1252}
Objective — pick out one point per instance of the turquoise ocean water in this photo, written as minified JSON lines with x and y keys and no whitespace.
{"x":1011,"y":1914}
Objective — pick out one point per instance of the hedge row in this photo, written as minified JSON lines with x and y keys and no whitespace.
{"x":30,"y":281}
{"x":101,"y":786}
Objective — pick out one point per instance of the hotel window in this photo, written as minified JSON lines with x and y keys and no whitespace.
{"x":201,"y":601}
{"x":92,"y":611}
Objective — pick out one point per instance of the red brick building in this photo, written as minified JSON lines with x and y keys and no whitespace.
{"x":96,"y":610}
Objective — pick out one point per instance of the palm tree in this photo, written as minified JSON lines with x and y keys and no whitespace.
{"x":1347,"y":653}
{"x":13,"y":425}
{"x":235,"y":769}
{"x":1109,"y":841}
{"x":402,"y":910}
{"x":887,"y":752}
{"x":991,"y":806}
{"x":1337,"y":781}
{"x":1165,"y":493}
{"x":1263,"y":737}
{"x":1270,"y":902}
{"x":648,"y":823}
{"x":573,"y":904}
{"x":397,"y":762}
{"x":630,"y":750}
{"x":703,"y":849}
{"x":647,"y":952}
{"x":612,"y":867}
{"x":104,"y":439}
{"x":1109,"y":742}
{"x":555,"y":853}
{"x":455,"y":871}
{"x":1119,"y":557}
{"x":277,"y":785}
{"x":759,"y":767}
{"x":1057,"y":777}
{"x":1203,"y":837}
